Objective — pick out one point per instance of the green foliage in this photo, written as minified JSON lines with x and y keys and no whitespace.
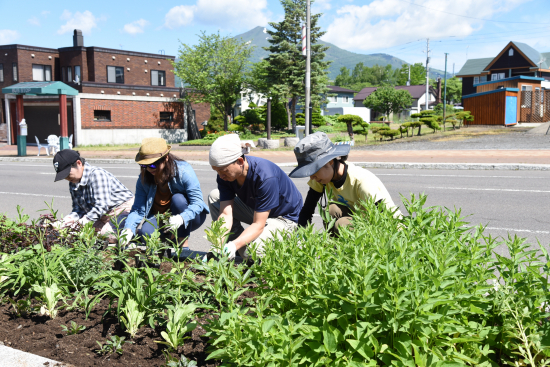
{"x":177,"y":326}
{"x":49,"y":297}
{"x":387,"y":100}
{"x":235,"y":127}
{"x":438,"y":109}
{"x":431,"y":123}
{"x":351,"y":121}
{"x":364,"y":76}
{"x":454,"y":89}
{"x":465,"y":116}
{"x":316,"y":117}
{"x":375,"y":129}
{"x":418,"y":290}
{"x":182,"y":362}
{"x":418,"y":74}
{"x":325,"y":129}
{"x":215,"y":123}
{"x":112,"y":346}
{"x":389,"y":133}
{"x":215,"y":69}
{"x":73,"y":329}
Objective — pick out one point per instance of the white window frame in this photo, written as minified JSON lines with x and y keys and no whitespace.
{"x":113,"y":68}
{"x":15,"y":72}
{"x":41,"y":73}
{"x":155,"y":78}
{"x":1,"y":73}
{"x":77,"y":73}
{"x":69,"y":74}
{"x":476,"y":80}
{"x":346,"y":99}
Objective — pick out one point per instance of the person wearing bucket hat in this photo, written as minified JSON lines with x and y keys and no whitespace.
{"x":325,"y":164}
{"x":165,"y":183}
{"x":250,"y":190}
{"x":97,"y":195}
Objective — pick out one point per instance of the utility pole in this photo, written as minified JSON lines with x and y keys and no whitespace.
{"x":409,"y":80}
{"x":308,"y":66}
{"x":427,"y":97}
{"x":445,"y":92}
{"x":269,"y":118}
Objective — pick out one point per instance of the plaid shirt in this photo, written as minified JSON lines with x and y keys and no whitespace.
{"x":97,"y":193}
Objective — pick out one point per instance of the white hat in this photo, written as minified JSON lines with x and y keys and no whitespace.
{"x":225,"y":150}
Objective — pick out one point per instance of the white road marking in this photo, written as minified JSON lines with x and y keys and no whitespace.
{"x":117,"y":176}
{"x":467,"y":176}
{"x":517,"y":230}
{"x":27,"y":194}
{"x":478,"y":189}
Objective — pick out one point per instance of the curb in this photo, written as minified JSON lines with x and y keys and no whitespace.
{"x":11,"y":357}
{"x":383,"y":165}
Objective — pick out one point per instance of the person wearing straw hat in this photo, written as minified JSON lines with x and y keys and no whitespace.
{"x":325,"y":164}
{"x":165,"y":183}
{"x":251,"y":190}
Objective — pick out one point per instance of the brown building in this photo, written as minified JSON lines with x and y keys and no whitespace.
{"x":123,"y":96}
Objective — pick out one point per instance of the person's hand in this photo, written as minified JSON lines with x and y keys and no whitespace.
{"x":174,"y":223}
{"x":230,"y":250}
{"x":58,"y":224}
{"x":81,"y":222}
{"x":67,"y":221}
{"x":125,"y":236}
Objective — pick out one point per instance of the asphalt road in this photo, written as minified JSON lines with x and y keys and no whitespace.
{"x":508,"y":202}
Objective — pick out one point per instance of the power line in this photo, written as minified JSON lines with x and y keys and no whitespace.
{"x":469,"y":17}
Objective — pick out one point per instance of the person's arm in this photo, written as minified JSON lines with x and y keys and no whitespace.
{"x":193,"y":192}
{"x":137,"y":213}
{"x":306,"y":214}
{"x":101,"y":187}
{"x":253,"y":231}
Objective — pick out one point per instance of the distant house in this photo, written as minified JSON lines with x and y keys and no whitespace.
{"x":418,"y":93}
{"x":247,"y":97}
{"x":508,"y":88}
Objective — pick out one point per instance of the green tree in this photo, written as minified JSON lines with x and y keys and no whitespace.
{"x":286,"y":70}
{"x":215,"y":69}
{"x":418,"y":74}
{"x":454,"y":90}
{"x":387,"y":100}
{"x":344,"y":78}
{"x":316,"y":117}
{"x":351,"y":121}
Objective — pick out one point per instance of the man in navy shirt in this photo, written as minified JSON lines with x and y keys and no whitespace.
{"x":250,"y":190}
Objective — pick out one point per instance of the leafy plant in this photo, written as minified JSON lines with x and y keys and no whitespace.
{"x":22,"y":307}
{"x":178,"y":325}
{"x":181,"y":362}
{"x":217,"y":235}
{"x":132,"y":318}
{"x":50,"y":296}
{"x":112,"y":346}
{"x":389,"y":133}
{"x":73,"y":329}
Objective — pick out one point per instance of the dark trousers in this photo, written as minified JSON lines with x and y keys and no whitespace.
{"x":178,"y":205}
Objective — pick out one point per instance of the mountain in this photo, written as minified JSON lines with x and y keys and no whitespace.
{"x":338,"y":56}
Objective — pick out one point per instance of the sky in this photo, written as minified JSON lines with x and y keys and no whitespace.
{"x":465,"y":29}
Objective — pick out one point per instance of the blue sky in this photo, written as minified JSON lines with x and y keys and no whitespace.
{"x":464,"y":29}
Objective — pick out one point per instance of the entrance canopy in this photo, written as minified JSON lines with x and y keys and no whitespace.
{"x":40,"y":89}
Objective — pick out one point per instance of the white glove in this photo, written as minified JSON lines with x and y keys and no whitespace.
{"x":82,"y":221}
{"x":58,"y":224}
{"x":174,"y":223}
{"x":67,"y":221}
{"x":230,"y":250}
{"x":126,"y":236}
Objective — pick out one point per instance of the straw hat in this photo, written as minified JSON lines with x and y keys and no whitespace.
{"x":151,"y":150}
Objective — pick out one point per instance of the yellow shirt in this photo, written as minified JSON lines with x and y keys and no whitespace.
{"x":360,"y":184}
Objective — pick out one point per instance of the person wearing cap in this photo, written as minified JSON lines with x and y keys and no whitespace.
{"x":97,"y":195}
{"x":325,"y":164}
{"x":166,"y":183}
{"x":251,"y":190}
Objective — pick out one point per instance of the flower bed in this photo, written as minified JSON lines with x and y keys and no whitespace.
{"x":423,"y":290}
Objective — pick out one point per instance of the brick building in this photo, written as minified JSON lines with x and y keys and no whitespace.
{"x":123,"y":96}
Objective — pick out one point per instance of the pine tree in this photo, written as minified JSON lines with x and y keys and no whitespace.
{"x":287,"y":66}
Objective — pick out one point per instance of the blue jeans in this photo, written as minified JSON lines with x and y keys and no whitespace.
{"x":178,"y":205}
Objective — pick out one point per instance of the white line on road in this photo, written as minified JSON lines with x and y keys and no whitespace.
{"x":27,"y":194}
{"x":517,"y":230}
{"x":467,"y":176}
{"x":117,"y":176}
{"x":478,"y":189}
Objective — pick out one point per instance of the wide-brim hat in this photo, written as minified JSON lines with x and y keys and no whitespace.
{"x":313,"y":152}
{"x":151,"y":150}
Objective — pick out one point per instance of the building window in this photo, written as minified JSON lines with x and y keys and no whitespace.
{"x":1,"y":73}
{"x":69,"y":74}
{"x":511,"y":52}
{"x":167,"y":116}
{"x":158,"y":77}
{"x":483,"y":78}
{"x":63,"y":75}
{"x":14,"y":66}
{"x":526,"y":88}
{"x":346,"y":99}
{"x":41,"y":73}
{"x":102,"y":115}
{"x":77,"y":74}
{"x":498,"y":76}
{"x":476,"y":80}
{"x":115,"y":74}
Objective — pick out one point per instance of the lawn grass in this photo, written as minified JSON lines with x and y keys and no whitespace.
{"x":107,"y":147}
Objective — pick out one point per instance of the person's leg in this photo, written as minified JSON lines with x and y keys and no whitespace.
{"x":342,"y":214}
{"x":178,"y":205}
{"x":241,"y":213}
{"x":274,"y":227}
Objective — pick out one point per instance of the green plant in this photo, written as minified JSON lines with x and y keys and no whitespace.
{"x":389,"y":133}
{"x":339,"y":138}
{"x":22,"y":307}
{"x":74,"y":328}
{"x":177,"y":325}
{"x":431,"y":123}
{"x":217,"y":235}
{"x":112,"y":346}
{"x":181,"y":362}
{"x":325,"y":129}
{"x":50,"y":296}
{"x":235,"y":127}
{"x":351,"y":121}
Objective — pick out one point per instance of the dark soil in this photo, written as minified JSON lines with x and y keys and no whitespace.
{"x":42,"y":336}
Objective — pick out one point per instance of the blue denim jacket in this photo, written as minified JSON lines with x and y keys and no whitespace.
{"x":185,"y":182}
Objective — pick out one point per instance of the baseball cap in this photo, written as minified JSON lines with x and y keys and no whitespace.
{"x":62,"y":163}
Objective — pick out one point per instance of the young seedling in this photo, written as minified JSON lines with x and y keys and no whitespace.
{"x":50,"y":296}
{"x":182,"y":362}
{"x":73,"y":329}
{"x":22,"y":307}
{"x":177,"y":326}
{"x":112,"y":346}
{"x":133,"y":318}
{"x":217,"y":235}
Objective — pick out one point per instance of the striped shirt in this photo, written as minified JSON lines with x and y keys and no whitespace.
{"x":97,"y":193}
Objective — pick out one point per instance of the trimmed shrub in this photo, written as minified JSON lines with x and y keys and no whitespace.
{"x":351,"y":121}
{"x":389,"y":133}
{"x":431,"y":123}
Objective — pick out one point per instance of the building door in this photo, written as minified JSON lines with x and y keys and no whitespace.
{"x":511,"y":114}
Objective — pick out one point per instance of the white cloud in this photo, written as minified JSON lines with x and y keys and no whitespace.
{"x":84,"y":21}
{"x":386,"y":23}
{"x":45,"y":13}
{"x":8,"y":36}
{"x":320,"y":6}
{"x":34,"y":21}
{"x":222,"y":13}
{"x":179,"y":16}
{"x":135,"y":27}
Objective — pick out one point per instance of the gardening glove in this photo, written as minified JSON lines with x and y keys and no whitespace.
{"x":82,"y":221}
{"x":125,"y":237}
{"x":67,"y":221}
{"x":230,"y":250}
{"x":174,"y":223}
